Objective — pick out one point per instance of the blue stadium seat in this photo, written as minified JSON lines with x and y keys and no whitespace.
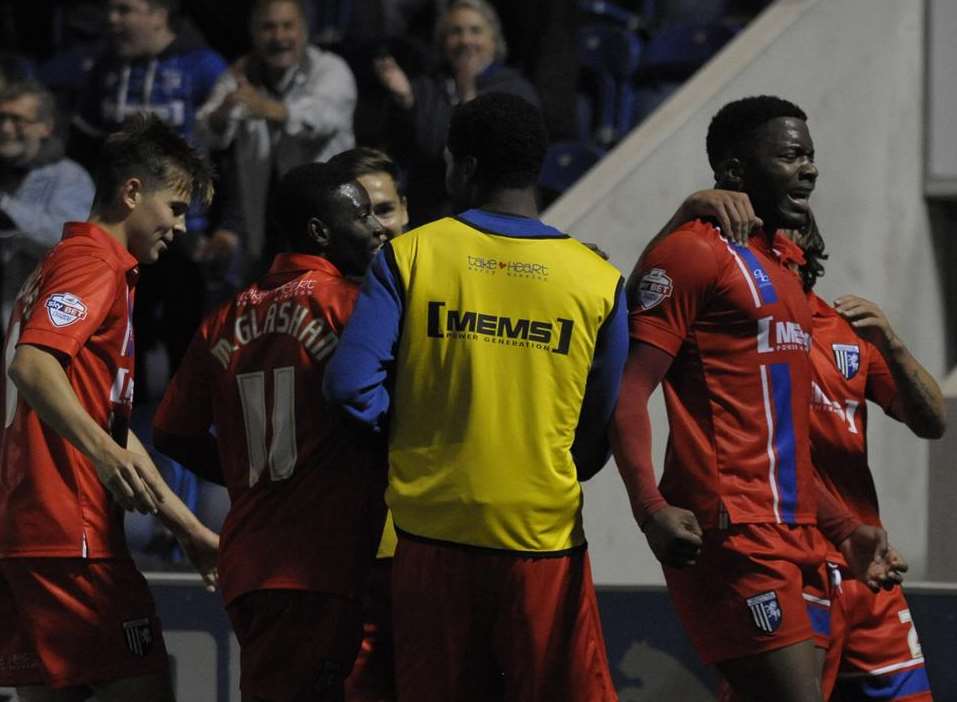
{"x":610,"y":13}
{"x":566,"y":162}
{"x":648,"y":97}
{"x":669,"y":58}
{"x":678,"y":50}
{"x":609,"y":56}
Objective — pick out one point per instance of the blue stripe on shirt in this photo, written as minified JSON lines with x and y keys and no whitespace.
{"x":760,"y":276}
{"x":884,"y":688}
{"x":784,"y":441}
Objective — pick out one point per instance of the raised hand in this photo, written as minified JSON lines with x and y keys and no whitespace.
{"x":732,"y":209}
{"x":867,"y":319}
{"x":394,"y":79}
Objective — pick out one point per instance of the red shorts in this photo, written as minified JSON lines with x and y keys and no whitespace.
{"x":875,"y":646}
{"x":373,"y":675}
{"x":473,"y":625}
{"x":744,"y":596}
{"x":295,"y":644}
{"x":71,"y":621}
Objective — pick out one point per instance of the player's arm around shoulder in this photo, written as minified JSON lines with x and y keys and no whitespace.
{"x":730,"y":211}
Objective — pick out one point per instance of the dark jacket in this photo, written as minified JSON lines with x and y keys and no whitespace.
{"x":419,"y":134}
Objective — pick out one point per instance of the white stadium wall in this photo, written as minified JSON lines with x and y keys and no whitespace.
{"x":856,"y":68}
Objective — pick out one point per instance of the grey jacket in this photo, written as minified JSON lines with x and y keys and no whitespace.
{"x":37,"y":204}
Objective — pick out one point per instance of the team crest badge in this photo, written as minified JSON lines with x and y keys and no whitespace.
{"x":139,"y":636}
{"x":848,"y":359}
{"x":654,"y":287}
{"x":65,"y":309}
{"x":766,"y":612}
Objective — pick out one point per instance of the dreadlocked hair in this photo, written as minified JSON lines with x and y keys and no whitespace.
{"x":814,"y":253}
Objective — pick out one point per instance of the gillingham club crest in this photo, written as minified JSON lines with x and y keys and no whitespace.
{"x":654,"y":287}
{"x":848,"y":359}
{"x":766,"y":612}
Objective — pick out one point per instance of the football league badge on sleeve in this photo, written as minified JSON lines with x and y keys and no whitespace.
{"x":848,"y":359}
{"x":64,"y":309}
{"x":139,"y":636}
{"x":654,"y":287}
{"x":766,"y":611}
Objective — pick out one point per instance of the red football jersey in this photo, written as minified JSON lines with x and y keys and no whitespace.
{"x":307,"y":497}
{"x":77,"y":303}
{"x":846,"y":371}
{"x":738,"y":325}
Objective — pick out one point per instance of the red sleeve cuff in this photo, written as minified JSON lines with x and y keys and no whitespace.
{"x":649,"y":331}
{"x":61,"y":343}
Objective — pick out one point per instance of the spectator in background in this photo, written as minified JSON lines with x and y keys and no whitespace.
{"x":148,"y":67}
{"x":39,"y":188}
{"x":284,"y":104}
{"x":469,"y":37}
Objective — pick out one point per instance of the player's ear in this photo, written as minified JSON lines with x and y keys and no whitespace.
{"x":130,"y":192}
{"x":730,"y":174}
{"x":469,"y":166}
{"x":318,"y":232}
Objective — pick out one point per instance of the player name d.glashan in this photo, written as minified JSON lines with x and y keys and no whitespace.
{"x":280,"y":318}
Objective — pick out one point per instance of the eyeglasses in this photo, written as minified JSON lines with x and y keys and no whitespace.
{"x":19,"y":121}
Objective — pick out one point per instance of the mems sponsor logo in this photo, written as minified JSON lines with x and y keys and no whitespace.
{"x":520,"y":332}
{"x":512,"y":269}
{"x":781,"y":336}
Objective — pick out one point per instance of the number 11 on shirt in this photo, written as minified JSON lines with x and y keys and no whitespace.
{"x":282,"y":453}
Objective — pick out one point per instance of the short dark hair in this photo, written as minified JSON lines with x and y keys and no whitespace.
{"x":147,"y":148}
{"x":46,"y":103}
{"x":364,"y":160}
{"x":303,"y":193}
{"x":737,"y":121}
{"x":814,"y":253}
{"x":507,"y":136}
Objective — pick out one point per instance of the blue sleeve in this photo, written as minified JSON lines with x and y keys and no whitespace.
{"x":590,"y":449}
{"x":207,"y":69}
{"x":358,"y":377}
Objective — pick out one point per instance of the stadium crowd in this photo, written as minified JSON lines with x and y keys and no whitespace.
{"x":344,"y":285}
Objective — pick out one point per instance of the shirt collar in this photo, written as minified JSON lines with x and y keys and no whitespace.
{"x":289,"y":262}
{"x":775,"y":249}
{"x":510,"y":225}
{"x":104,"y":240}
{"x":819,"y":308}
